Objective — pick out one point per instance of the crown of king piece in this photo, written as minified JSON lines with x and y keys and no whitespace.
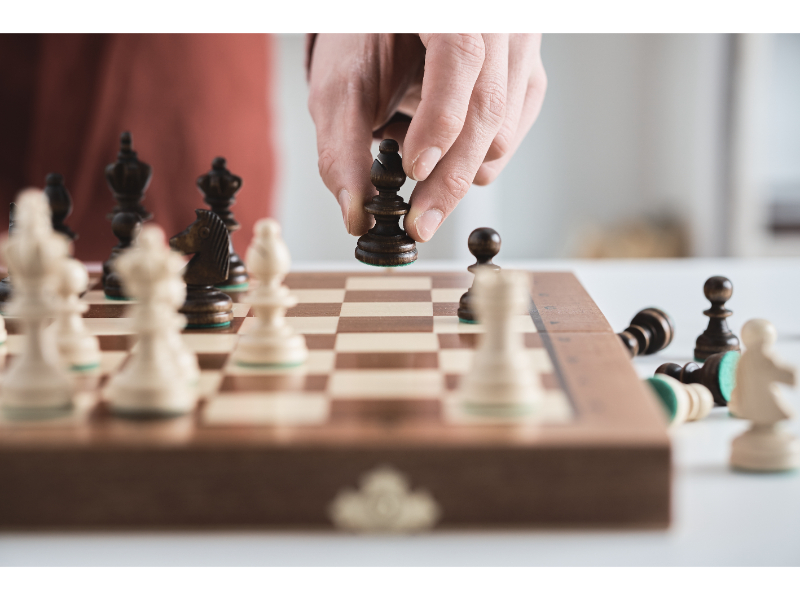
{"x":219,"y":182}
{"x":128,"y":176}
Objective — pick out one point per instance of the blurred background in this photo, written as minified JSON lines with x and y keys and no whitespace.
{"x":647,"y":145}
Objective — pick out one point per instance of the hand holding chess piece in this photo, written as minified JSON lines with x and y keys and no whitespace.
{"x":155,"y":381}
{"x":501,"y":381}
{"x":272,"y":342}
{"x":36,"y":384}
{"x":765,"y":446}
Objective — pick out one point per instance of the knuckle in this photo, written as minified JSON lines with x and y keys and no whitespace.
{"x":449,"y":124}
{"x":456,"y":187}
{"x":327,"y":164}
{"x":469,"y":46}
{"x":491,"y":102}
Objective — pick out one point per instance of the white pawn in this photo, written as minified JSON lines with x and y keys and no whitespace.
{"x":765,"y":446}
{"x":502,"y":380}
{"x":158,"y":379}
{"x":272,"y":341}
{"x":36,"y":383}
{"x":79,"y":349}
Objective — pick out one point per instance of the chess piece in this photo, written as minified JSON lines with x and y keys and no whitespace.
{"x":718,"y":374}
{"x":483,"y":244}
{"x":717,"y":337}
{"x":272,"y":342}
{"x":219,"y":187}
{"x":682,"y":402}
{"x":36,"y":383}
{"x":650,"y":331}
{"x":5,"y":283}
{"x":60,"y":204}
{"x":501,"y":381}
{"x":386,"y":244}
{"x":208,"y":239}
{"x":128,"y":179}
{"x":765,"y":446}
{"x":78,"y":348}
{"x":156,"y":380}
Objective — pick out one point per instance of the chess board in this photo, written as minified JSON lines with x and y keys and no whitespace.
{"x":275,"y":447}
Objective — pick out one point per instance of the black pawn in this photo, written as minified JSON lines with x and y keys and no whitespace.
{"x":484,"y":244}
{"x":219,"y":187}
{"x":386,"y":244}
{"x":650,"y":330}
{"x":60,"y":204}
{"x":5,"y":283}
{"x":718,"y":374}
{"x":126,"y":226}
{"x":128,"y":179}
{"x":717,"y":337}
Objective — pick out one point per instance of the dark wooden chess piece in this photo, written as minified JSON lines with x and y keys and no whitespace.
{"x":717,"y":337}
{"x":128,"y":179}
{"x":386,"y":244}
{"x":5,"y":283}
{"x":60,"y":204}
{"x":208,"y":239}
{"x":650,"y":330}
{"x":219,"y":187}
{"x":126,"y":226}
{"x":718,"y":374}
{"x":484,"y":244}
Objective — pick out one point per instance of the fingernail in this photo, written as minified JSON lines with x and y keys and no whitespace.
{"x":425,"y":163}
{"x":344,"y":204}
{"x":428,"y":222}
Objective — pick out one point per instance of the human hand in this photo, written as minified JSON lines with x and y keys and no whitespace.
{"x":471,"y":99}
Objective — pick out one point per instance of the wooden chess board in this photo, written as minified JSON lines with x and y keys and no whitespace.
{"x":274,"y":447}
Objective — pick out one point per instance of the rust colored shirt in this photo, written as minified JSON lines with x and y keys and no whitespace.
{"x":185,"y":98}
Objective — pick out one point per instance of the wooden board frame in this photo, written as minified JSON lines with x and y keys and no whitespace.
{"x":610,"y":467}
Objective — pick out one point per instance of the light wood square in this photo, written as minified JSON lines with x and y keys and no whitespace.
{"x":387,"y":384}
{"x":265,"y":408}
{"x":209,"y":383}
{"x":318,"y":296}
{"x":298,"y":324}
{"x":447,"y":294}
{"x":240,"y":310}
{"x":110,"y":326}
{"x":319,"y":362}
{"x":388,"y":283}
{"x":386,"y":342}
{"x":387,"y":309}
{"x":210,"y":342}
{"x":111,"y":360}
{"x":460,"y":360}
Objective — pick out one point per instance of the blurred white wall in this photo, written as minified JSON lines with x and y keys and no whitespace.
{"x":631,"y":125}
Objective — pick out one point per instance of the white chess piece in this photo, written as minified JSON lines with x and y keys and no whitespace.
{"x":160,"y":377}
{"x":272,"y":341}
{"x":79,"y":349}
{"x":36,"y":383}
{"x":765,"y":446}
{"x":502,"y":380}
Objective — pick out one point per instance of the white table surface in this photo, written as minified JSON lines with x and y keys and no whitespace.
{"x":720,"y":517}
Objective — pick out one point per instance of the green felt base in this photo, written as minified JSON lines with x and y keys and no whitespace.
{"x":386,"y":266}
{"x":240,"y":286}
{"x":85,"y":367}
{"x":268,"y":366}
{"x":209,"y":326}
{"x":666,"y":395}
{"x":116,"y":297}
{"x":727,"y":374}
{"x":460,"y":320}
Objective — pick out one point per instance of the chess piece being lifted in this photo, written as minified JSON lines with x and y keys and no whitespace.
{"x":36,"y":384}
{"x":717,"y":337}
{"x":501,"y":381}
{"x":128,"y":179}
{"x":650,"y":331}
{"x":483,"y":244}
{"x":681,"y":401}
{"x":386,"y":244}
{"x":208,"y":239}
{"x":272,"y":341}
{"x":219,"y":187}
{"x":5,"y":283}
{"x":156,"y":380}
{"x":60,"y":204}
{"x":765,"y":446}
{"x":79,"y":349}
{"x":718,"y":374}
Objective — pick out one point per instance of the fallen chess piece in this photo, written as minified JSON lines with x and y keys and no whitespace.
{"x":682,"y":402}
{"x":272,"y":341}
{"x":79,"y":349}
{"x":718,"y":374}
{"x":765,"y":446}
{"x":501,"y":381}
{"x":156,"y":380}
{"x":650,"y":331}
{"x":36,"y":384}
{"x":484,"y":244}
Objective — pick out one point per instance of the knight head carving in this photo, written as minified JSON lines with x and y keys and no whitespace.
{"x":208,"y":239}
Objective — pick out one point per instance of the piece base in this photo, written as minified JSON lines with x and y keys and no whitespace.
{"x":207,"y":325}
